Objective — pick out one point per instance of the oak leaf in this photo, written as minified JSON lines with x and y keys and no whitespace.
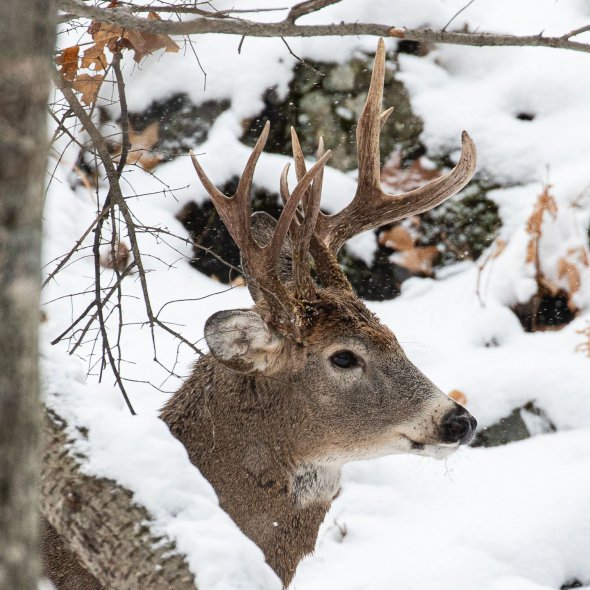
{"x":68,"y":60}
{"x":416,"y":259}
{"x":458,"y":396}
{"x":88,"y":86}
{"x":398,"y":179}
{"x":142,"y":142}
{"x":117,"y":258}
{"x":94,"y":58}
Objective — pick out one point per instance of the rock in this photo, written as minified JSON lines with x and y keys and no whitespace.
{"x":341,"y":78}
{"x":183,"y":125}
{"x":522,"y":423}
{"x":461,"y":228}
{"x":326,"y":99}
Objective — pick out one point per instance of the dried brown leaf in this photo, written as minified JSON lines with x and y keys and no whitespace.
{"x":88,"y":86}
{"x":397,"y":238}
{"x":545,"y":204}
{"x":239,"y":281}
{"x":94,"y":58}
{"x":119,"y":258}
{"x":68,"y":60}
{"x":418,"y":260}
{"x":458,"y":396}
{"x":397,"y":179}
{"x":569,"y":271}
{"x":105,"y":35}
{"x":142,"y":142}
{"x":500,"y":247}
{"x":145,"y":43}
{"x":584,"y":346}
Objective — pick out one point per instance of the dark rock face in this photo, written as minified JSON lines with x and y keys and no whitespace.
{"x":182,"y":124}
{"x":216,"y":254}
{"x":326,"y":100}
{"x":379,"y":281}
{"x":461,"y":228}
{"x":522,"y":423}
{"x":545,"y":310}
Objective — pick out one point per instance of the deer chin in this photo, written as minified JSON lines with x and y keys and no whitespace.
{"x":435,"y":451}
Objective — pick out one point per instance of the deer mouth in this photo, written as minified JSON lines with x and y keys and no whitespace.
{"x":435,"y":451}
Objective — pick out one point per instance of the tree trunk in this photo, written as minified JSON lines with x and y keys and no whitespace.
{"x":27,"y":35}
{"x":102,"y":526}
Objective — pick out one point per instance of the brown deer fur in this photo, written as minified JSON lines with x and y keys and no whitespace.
{"x":272,"y":444}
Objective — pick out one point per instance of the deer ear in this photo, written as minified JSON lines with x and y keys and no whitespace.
{"x":243,"y":341}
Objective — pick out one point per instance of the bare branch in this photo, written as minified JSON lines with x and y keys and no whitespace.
{"x":578,"y":31}
{"x":308,"y":7}
{"x":114,"y":198}
{"x":285,"y":28}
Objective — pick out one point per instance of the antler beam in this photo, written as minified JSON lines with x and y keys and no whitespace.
{"x":372,"y":206}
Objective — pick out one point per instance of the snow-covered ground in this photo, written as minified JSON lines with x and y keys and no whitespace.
{"x":510,"y":518}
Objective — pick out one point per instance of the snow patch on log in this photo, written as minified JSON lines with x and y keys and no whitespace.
{"x":140,"y":454}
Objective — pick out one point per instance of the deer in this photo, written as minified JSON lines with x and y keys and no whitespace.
{"x":308,"y":379}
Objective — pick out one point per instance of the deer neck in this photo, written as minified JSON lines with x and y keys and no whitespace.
{"x":240,"y":436}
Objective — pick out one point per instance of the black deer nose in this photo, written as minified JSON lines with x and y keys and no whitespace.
{"x":458,"y":426}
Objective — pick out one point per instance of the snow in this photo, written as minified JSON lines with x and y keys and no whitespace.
{"x":509,"y":518}
{"x":140,"y":454}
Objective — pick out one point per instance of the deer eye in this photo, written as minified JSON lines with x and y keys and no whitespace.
{"x":345,"y":359}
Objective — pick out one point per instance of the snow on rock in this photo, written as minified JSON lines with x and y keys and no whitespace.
{"x":140,"y":453}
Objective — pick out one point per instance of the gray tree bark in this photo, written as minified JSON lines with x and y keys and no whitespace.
{"x":96,"y":520}
{"x":27,"y":34}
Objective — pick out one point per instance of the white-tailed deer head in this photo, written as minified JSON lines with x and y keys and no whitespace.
{"x":309,"y":378}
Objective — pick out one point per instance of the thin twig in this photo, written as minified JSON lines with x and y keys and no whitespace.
{"x":300,"y":60}
{"x":457,"y":14}
{"x":114,"y":198}
{"x":578,"y":31}
{"x":76,"y":246}
{"x":307,"y":7}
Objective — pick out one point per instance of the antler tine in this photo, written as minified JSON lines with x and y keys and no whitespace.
{"x":292,"y":202}
{"x":300,"y":167}
{"x":262,"y":260}
{"x":238,"y":223}
{"x":304,"y":283}
{"x":385,"y":117}
{"x":371,"y":206}
{"x":209,"y":186}
{"x":222,"y":203}
{"x":369,"y":127}
{"x":245,"y":185}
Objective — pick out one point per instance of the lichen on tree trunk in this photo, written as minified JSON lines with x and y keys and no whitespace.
{"x":26,"y":42}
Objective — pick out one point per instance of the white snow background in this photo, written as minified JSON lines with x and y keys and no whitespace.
{"x":509,"y":518}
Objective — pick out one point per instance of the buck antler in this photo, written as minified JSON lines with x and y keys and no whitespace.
{"x":263,"y":260}
{"x":372,"y":206}
{"x":310,"y":229}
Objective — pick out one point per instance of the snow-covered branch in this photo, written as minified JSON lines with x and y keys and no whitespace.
{"x":222,"y":24}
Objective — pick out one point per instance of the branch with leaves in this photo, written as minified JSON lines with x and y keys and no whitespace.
{"x":226,"y":23}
